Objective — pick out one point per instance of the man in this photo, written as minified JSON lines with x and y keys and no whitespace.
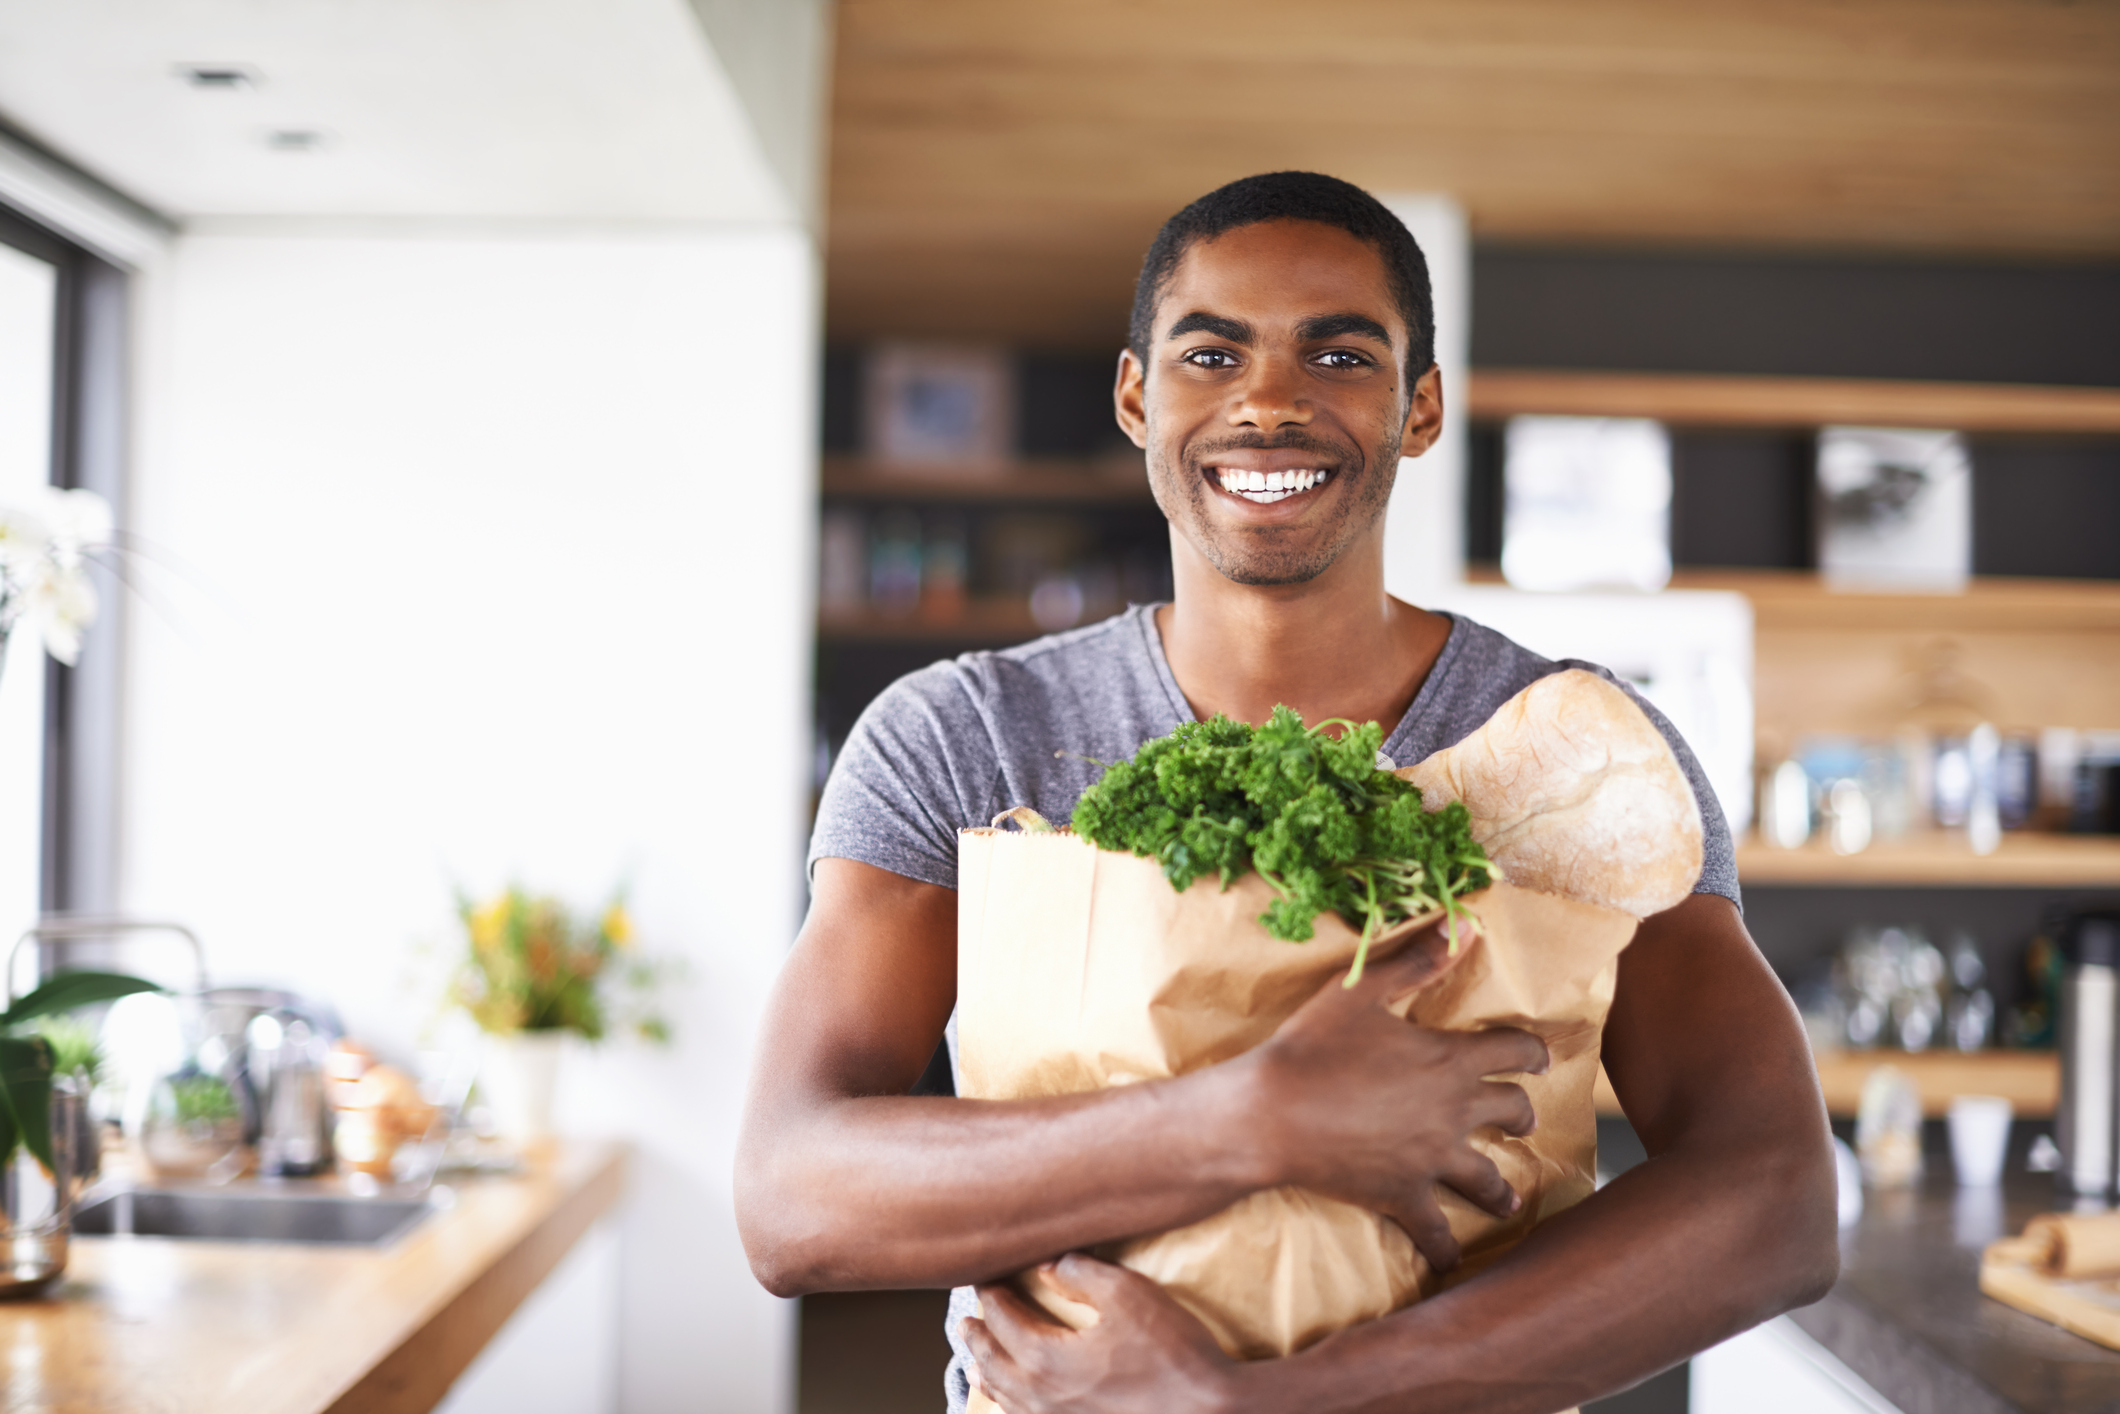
{"x":1280,"y":364}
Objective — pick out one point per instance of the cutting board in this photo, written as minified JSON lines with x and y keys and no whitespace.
{"x":2010,"y":1272}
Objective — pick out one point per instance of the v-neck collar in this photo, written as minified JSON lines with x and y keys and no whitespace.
{"x":1394,"y":744}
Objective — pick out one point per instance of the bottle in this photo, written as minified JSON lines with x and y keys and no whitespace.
{"x":2090,"y":1012}
{"x":295,"y":1130}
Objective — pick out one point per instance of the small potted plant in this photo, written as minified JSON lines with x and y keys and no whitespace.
{"x":533,"y":975}
{"x":43,"y":1123}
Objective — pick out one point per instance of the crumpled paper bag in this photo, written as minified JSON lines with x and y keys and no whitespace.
{"x":1079,"y":968}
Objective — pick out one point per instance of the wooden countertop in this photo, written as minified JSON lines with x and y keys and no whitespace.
{"x":149,"y":1325}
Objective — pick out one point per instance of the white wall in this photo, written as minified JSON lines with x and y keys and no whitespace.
{"x":1424,"y":534}
{"x":488,"y":558}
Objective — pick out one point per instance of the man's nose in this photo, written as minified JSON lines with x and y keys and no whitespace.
{"x":1271,"y":397}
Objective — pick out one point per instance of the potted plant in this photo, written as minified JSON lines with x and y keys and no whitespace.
{"x":43,"y":1123}
{"x":533,"y":975}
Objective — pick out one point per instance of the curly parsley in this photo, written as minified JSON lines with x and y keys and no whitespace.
{"x":1312,"y":814}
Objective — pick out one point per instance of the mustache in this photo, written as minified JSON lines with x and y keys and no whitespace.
{"x":1292,"y":440}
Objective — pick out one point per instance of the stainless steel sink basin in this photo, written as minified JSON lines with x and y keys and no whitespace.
{"x":250,"y":1216}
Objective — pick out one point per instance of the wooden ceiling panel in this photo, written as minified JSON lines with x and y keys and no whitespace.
{"x":998,"y":166}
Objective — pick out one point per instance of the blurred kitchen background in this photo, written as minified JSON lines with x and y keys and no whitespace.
{"x":539,"y":429}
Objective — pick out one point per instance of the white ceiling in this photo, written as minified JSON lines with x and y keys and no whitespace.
{"x":598,"y":110}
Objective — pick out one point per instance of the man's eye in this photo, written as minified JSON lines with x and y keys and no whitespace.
{"x":1210,"y":358}
{"x":1342,"y":358}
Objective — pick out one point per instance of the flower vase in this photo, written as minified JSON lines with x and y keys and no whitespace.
{"x":519,"y":1078}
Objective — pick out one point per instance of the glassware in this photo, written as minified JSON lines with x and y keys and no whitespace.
{"x":1983,"y":814}
{"x":1847,"y":817}
{"x":287,"y":1058}
{"x":36,"y":1203}
{"x":193,"y":1127}
{"x":1785,"y":806}
{"x":1888,"y":1130}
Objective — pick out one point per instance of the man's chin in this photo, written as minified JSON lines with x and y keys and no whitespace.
{"x":1268,"y":571}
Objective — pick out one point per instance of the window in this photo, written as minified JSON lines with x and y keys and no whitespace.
{"x":61,"y":340}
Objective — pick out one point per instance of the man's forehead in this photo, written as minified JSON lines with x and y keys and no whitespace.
{"x":1281,"y":275}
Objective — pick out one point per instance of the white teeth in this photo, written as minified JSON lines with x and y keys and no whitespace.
{"x":1266,"y":487}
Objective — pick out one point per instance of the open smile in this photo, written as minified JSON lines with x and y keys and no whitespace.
{"x":1267,"y":487}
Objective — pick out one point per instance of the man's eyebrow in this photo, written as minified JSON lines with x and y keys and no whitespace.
{"x":1333,"y":326}
{"x":1222,"y":327}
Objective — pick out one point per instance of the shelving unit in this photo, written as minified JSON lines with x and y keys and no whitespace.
{"x":983,"y":622}
{"x":1716,"y":400}
{"x":2029,"y":1080}
{"x":2025,"y":860}
{"x":1105,"y":481}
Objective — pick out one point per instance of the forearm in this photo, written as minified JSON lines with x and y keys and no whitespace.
{"x":890,"y":1191}
{"x":1704,"y":1241}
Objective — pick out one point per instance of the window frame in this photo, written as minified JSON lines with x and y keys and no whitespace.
{"x":88,"y":450}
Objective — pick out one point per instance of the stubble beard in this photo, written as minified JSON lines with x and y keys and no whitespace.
{"x":1275,"y":555}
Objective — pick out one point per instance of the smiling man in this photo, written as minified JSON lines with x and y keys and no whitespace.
{"x":1280,"y":365}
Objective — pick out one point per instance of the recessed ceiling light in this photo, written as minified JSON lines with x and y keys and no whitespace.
{"x":296,"y":139}
{"x":220,"y":76}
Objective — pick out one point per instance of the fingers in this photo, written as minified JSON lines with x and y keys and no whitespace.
{"x":1423,"y":1219}
{"x":1419,"y":961}
{"x":993,"y":1368}
{"x":1504,"y":1050}
{"x":1015,"y":1320}
{"x":1101,"y":1285}
{"x":1507,"y":1107}
{"x":1476,"y":1176}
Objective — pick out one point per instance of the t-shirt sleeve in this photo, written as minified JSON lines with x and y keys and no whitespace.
{"x":1718,"y":855}
{"x":919,"y":765}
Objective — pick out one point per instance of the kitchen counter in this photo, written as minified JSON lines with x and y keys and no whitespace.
{"x":1907,"y":1314}
{"x":150,"y":1325}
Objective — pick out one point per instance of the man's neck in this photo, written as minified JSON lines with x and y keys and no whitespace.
{"x":1337,"y":646}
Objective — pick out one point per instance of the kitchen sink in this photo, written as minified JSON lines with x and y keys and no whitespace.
{"x":250,"y":1216}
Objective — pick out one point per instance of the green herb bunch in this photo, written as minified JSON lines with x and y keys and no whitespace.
{"x":1310,"y":813}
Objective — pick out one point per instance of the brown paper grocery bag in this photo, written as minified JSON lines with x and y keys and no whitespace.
{"x":1079,"y":968}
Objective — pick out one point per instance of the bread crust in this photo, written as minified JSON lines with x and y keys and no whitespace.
{"x":1573,"y":791}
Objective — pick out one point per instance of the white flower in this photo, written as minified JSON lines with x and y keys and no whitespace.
{"x":42,"y":578}
{"x":60,"y":605}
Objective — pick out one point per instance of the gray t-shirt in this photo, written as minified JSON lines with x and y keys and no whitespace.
{"x":957,"y":743}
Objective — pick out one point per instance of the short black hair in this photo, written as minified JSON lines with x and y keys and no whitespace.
{"x":1291,"y":196}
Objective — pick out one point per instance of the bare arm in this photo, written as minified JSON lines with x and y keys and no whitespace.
{"x":844,"y":1181}
{"x":1730,"y":1222}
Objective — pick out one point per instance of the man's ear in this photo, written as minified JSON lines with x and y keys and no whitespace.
{"x":1129,"y":396}
{"x":1424,"y":414}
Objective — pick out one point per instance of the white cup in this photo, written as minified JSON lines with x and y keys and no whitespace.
{"x":1980,"y":1139}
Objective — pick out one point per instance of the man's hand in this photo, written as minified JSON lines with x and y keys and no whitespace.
{"x":1334,"y":1130}
{"x":1145,"y":1354}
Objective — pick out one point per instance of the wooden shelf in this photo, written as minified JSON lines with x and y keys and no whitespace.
{"x":1939,"y":860}
{"x":1718,"y":400}
{"x":1789,"y":599}
{"x":1105,"y":481}
{"x":2029,"y":1080}
{"x":984,"y":623}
